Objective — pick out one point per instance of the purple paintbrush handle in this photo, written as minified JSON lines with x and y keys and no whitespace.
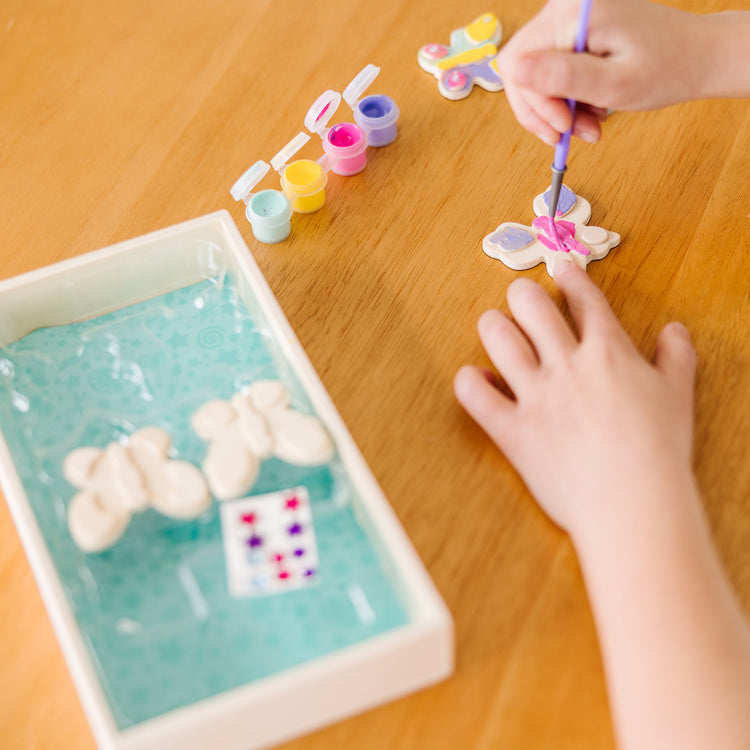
{"x":561,"y":149}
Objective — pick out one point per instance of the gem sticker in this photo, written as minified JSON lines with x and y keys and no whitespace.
{"x":269,"y":543}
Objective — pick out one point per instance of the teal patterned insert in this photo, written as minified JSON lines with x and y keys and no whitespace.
{"x":154,"y":610}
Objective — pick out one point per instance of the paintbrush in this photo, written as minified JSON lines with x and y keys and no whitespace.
{"x":559,"y":163}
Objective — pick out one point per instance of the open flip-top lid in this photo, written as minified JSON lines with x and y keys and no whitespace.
{"x":362,"y":81}
{"x":242,"y":189}
{"x":318,"y":116}
{"x":280,"y":160}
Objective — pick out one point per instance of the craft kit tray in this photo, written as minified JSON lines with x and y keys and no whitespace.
{"x":177,"y":628}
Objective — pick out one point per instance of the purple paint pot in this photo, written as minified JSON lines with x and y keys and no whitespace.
{"x":375,"y":114}
{"x":345,"y":143}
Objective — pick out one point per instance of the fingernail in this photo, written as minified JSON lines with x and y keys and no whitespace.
{"x":679,"y":328}
{"x":550,"y":140}
{"x":562,"y":264}
{"x":589,"y":137}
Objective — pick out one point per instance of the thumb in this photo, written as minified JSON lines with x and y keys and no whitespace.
{"x":675,"y":358}
{"x":567,"y":75}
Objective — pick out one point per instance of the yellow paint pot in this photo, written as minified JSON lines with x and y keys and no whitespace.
{"x":304,"y":183}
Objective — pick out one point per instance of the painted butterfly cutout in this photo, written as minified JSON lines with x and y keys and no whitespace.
{"x":470,"y":58}
{"x":520,"y":247}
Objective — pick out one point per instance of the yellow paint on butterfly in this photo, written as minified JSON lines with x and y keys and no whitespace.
{"x":468,"y":56}
{"x":482,"y":28}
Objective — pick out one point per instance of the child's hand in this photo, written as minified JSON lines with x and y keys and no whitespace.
{"x":640,"y":56}
{"x":592,"y":421}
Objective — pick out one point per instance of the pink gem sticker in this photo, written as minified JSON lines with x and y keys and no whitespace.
{"x":436,"y":51}
{"x":456,"y":79}
{"x":269,"y":543}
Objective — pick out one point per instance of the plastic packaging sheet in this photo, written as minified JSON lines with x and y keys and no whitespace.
{"x":155,"y":611}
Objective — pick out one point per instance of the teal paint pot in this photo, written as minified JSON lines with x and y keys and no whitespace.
{"x":268,"y":211}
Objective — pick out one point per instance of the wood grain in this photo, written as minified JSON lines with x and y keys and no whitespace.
{"x":118,"y":118}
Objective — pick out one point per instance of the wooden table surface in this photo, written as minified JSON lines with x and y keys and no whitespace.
{"x":118,"y":118}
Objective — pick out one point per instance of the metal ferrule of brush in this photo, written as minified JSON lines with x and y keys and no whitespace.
{"x":554,"y":191}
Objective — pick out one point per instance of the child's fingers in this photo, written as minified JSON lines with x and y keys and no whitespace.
{"x":536,"y":314}
{"x":507,"y":347}
{"x":547,"y":117}
{"x":555,"y":112}
{"x":586,"y":302}
{"x":676,"y":359}
{"x":567,"y":75}
{"x":587,"y":126}
{"x":489,"y":408}
{"x":599,"y":114}
{"x":529,"y":119}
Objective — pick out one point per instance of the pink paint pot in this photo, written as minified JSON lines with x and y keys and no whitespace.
{"x":348,"y":144}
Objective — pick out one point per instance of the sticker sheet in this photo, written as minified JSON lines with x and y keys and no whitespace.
{"x":269,"y":543}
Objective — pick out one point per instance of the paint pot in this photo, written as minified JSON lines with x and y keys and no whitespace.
{"x":345,"y":142}
{"x":303,"y":181}
{"x":268,"y":211}
{"x":376,"y":114}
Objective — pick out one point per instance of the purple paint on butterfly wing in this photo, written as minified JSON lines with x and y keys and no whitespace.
{"x":565,"y":202}
{"x":510,"y":239}
{"x":484,"y":70}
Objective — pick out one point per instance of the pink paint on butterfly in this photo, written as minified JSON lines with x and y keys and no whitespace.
{"x":566,"y":232}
